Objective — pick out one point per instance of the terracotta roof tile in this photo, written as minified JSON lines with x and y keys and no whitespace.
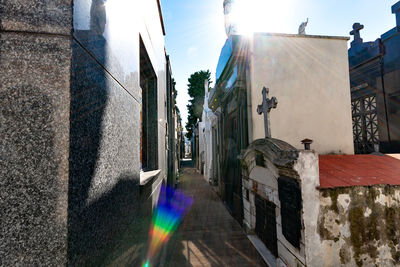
{"x":358,"y":170}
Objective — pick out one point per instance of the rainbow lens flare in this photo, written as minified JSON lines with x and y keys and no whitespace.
{"x":171,"y":208}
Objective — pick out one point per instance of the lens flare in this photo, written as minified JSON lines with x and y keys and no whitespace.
{"x":251,"y":16}
{"x":171,"y":208}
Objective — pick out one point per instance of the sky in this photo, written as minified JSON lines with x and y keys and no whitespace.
{"x":195,"y":31}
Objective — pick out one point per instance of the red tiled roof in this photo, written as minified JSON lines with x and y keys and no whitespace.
{"x":358,"y":170}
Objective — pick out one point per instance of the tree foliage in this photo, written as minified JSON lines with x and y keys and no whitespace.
{"x":175,"y":94}
{"x":196,"y":92}
{"x":175,"y":103}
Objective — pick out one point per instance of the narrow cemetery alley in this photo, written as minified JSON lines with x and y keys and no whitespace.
{"x":166,"y":133}
{"x":208,"y":235}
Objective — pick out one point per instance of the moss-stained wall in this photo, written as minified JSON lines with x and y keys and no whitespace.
{"x":360,"y":226}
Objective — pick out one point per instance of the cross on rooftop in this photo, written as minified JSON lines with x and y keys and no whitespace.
{"x":357,"y":27}
{"x":265,"y":107}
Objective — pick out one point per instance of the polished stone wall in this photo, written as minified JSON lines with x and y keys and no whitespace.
{"x":35,"y":56}
{"x":69,"y":122}
{"x":105,"y":193}
{"x":36,"y":16}
{"x":103,"y":158}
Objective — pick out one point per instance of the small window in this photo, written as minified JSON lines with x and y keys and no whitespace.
{"x":260,"y":160}
{"x":148,"y":113}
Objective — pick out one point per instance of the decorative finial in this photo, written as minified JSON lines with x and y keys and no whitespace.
{"x":302,"y":27}
{"x":230,"y":26}
{"x":206,"y":85}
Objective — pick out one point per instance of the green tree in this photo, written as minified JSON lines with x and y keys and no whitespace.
{"x":196,"y":92}
{"x":175,"y":94}
{"x":175,"y":103}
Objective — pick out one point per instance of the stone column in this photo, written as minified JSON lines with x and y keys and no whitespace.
{"x":35,"y":56}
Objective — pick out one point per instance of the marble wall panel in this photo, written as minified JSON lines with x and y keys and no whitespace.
{"x":117,"y":26}
{"x":104,"y":193}
{"x":111,"y":31}
{"x":46,"y":16}
{"x":34,"y":130}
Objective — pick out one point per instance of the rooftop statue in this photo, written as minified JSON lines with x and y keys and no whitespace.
{"x":230,"y":26}
{"x":302,"y":27}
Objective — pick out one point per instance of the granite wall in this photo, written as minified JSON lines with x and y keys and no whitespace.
{"x":35,"y":55}
{"x":69,"y":122}
{"x":106,"y":200}
{"x":104,"y":171}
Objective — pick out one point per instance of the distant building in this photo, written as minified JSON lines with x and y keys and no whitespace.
{"x":375,"y":90}
{"x":309,"y":77}
{"x":208,"y":147}
{"x":173,"y":130}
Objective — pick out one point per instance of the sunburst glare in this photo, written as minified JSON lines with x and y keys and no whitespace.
{"x":252,"y":16}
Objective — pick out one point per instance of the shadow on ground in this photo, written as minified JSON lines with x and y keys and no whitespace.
{"x":209,"y":235}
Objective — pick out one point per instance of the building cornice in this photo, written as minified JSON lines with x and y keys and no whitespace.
{"x":345,"y":38}
{"x":161,"y":16}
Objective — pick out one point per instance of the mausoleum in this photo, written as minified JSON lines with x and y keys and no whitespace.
{"x":375,"y":94}
{"x":308,"y":76}
{"x":301,"y":209}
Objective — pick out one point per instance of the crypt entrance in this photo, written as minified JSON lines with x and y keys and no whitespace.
{"x":232,"y":130}
{"x":273,"y":201}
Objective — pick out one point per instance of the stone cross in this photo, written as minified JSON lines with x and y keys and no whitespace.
{"x":357,"y":27}
{"x":265,"y":107}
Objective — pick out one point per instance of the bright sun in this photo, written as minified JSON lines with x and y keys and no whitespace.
{"x":260,"y":15}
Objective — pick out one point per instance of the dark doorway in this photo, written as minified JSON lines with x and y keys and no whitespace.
{"x":231,"y":161}
{"x":266,"y":224}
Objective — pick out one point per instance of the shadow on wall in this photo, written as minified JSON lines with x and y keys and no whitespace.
{"x":97,"y":225}
{"x":33,"y":141}
{"x":27,"y":197}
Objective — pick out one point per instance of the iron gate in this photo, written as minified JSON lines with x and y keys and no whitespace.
{"x":365,"y":124}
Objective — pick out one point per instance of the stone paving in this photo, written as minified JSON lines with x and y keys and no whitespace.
{"x":208,"y":236}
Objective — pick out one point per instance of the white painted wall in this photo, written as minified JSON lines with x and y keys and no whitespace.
{"x":309,"y":75}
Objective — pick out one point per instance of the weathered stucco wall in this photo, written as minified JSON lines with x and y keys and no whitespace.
{"x":358,"y":226}
{"x":352,"y":226}
{"x":308,"y":170}
{"x":309,"y":75}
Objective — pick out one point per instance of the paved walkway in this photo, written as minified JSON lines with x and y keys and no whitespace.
{"x":208,"y":236}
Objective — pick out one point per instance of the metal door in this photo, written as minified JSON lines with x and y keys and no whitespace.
{"x":266,"y":224}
